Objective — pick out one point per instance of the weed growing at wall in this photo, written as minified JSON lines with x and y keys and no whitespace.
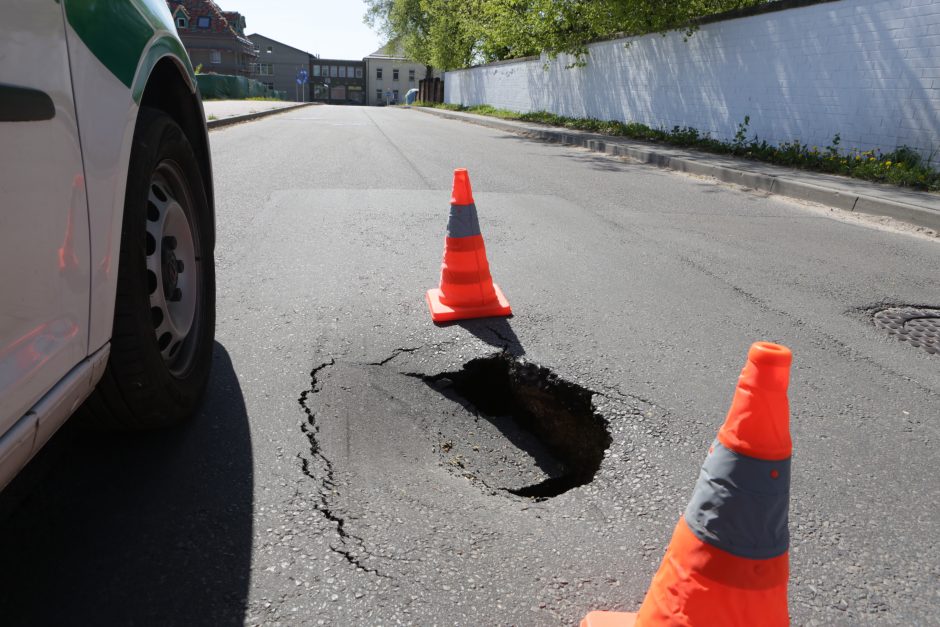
{"x":903,"y":167}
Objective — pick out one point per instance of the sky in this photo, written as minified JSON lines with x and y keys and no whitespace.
{"x":331,"y":29}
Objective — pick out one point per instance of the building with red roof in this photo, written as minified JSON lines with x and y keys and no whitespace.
{"x":214,"y":39}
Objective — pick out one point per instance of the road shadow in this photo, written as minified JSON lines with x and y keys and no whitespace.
{"x":149,"y":528}
{"x":495,"y":332}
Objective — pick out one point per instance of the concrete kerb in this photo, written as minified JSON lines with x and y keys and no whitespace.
{"x":237,"y":119}
{"x":699,"y":165}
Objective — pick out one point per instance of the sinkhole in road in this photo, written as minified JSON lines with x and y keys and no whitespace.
{"x":551,"y":437}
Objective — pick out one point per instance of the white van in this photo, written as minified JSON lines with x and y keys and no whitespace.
{"x":107,"y":281}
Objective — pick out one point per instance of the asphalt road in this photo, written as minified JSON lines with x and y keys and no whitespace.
{"x":333,"y":478}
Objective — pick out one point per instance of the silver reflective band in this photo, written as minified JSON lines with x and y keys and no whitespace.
{"x":463,"y":221}
{"x":741,"y":504}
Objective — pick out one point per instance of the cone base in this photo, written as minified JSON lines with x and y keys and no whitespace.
{"x":445,"y":313}
{"x":608,"y":619}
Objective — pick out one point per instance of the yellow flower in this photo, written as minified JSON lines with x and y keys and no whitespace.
{"x":888,"y":163}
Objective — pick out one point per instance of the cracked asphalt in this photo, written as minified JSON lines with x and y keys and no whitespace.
{"x":326,"y":482}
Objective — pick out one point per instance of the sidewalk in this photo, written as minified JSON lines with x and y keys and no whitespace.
{"x":225,"y":112}
{"x":918,"y":208}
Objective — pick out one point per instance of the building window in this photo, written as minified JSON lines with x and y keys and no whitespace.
{"x":270,"y":50}
{"x":215,"y":56}
{"x":395,"y":74}
{"x":265,"y":69}
{"x":378,"y":73}
{"x":269,"y":86}
{"x":342,"y":71}
{"x":358,"y":72}
{"x":334,"y":71}
{"x":395,"y":96}
{"x":203,"y":21}
{"x":411,"y":75}
{"x":181,"y":22}
{"x":316,"y":70}
{"x":378,"y":95}
{"x":350,"y":71}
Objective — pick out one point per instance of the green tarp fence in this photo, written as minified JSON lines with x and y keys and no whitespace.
{"x":223,"y":87}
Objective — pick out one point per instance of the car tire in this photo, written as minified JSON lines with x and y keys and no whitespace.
{"x":164,"y":318}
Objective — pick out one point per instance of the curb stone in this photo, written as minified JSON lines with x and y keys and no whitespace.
{"x":213,"y":124}
{"x":779,"y":184}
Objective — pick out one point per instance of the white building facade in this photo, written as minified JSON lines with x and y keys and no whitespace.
{"x":389,"y":76}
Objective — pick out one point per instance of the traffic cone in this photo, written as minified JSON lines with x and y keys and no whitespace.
{"x":467,"y":289}
{"x":728,"y":563}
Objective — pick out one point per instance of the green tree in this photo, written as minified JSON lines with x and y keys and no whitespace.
{"x":437,"y":33}
{"x":457,"y":33}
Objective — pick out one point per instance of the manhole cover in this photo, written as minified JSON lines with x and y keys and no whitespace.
{"x":919,"y":327}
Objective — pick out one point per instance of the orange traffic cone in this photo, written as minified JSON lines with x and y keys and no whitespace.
{"x":467,"y":289}
{"x":727,"y":563}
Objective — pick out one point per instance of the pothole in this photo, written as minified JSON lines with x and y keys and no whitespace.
{"x":537,"y":435}
{"x":918,"y":326}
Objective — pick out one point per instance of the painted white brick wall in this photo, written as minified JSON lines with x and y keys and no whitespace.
{"x":866,"y":69}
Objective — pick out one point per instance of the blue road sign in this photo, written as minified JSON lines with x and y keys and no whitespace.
{"x":302,"y":77}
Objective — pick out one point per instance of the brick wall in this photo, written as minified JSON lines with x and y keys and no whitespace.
{"x":866,"y":69}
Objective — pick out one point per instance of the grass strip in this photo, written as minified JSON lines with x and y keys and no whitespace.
{"x":903,"y":167}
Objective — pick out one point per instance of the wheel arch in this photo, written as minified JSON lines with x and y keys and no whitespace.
{"x":168,"y":90}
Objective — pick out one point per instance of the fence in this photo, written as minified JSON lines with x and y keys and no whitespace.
{"x":431,"y":90}
{"x":224,"y":87}
{"x":867,"y":70}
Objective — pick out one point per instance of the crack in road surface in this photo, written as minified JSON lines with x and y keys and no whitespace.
{"x":327,"y":479}
{"x":396,"y":353}
{"x":508,"y":342}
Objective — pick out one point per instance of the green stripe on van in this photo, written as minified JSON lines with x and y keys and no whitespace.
{"x":114,"y":31}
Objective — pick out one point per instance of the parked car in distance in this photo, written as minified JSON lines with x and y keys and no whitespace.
{"x":107,"y":225}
